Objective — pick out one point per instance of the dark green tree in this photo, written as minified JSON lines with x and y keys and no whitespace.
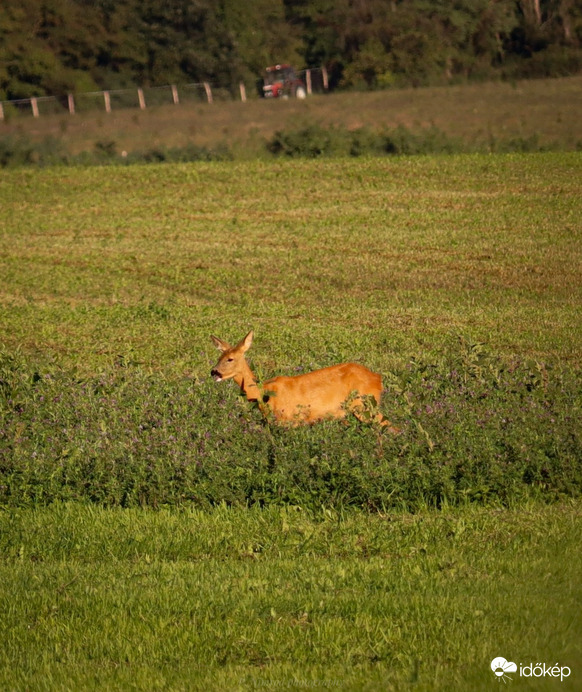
{"x":58,"y":46}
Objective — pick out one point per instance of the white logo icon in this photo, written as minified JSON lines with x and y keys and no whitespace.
{"x":501,"y":667}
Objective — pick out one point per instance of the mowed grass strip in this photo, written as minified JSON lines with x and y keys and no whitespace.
{"x":235,"y":599}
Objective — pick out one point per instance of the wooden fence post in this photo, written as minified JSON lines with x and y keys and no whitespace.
{"x":107,"y":99}
{"x":324,"y":75}
{"x":243,"y":92}
{"x":71,"y":101}
{"x":34,"y":104}
{"x":141,"y":98}
{"x":208,"y":92}
{"x":308,"y":81}
{"x":1,"y":111}
{"x":175,"y":97}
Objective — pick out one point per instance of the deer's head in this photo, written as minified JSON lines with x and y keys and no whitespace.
{"x":231,"y":361}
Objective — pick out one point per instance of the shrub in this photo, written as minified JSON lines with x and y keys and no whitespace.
{"x":20,"y":151}
{"x":314,"y":141}
{"x":311,"y":142}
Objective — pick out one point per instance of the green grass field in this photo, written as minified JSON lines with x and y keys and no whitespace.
{"x":247,"y":599}
{"x":156,"y":533}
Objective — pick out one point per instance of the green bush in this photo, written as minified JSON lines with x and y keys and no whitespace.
{"x":314,"y":141}
{"x":311,"y":141}
{"x":475,"y":429}
{"x":190,"y":152}
{"x":20,"y":151}
{"x":554,"y":61}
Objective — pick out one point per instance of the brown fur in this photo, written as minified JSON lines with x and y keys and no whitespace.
{"x":302,"y":398}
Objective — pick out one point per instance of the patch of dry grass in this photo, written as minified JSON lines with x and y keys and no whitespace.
{"x":477,"y":113}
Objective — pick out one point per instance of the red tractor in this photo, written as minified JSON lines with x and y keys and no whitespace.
{"x":281,"y":81}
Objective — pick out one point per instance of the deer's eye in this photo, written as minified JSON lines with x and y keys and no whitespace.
{"x":229,"y":360}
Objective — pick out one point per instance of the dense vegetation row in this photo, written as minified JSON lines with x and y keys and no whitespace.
{"x":475,"y":429}
{"x":311,"y":141}
{"x":58,"y":46}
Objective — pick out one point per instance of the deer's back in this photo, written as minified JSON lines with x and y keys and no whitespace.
{"x":320,"y":393}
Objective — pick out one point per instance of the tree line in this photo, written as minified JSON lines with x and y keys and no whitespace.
{"x":61,"y":46}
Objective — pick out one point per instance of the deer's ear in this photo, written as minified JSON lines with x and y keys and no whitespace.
{"x":220,"y":344}
{"x":245,"y":344}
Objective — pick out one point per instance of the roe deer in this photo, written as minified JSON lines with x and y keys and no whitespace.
{"x":302,"y":398}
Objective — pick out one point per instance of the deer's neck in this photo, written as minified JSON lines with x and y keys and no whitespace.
{"x":247,"y":382}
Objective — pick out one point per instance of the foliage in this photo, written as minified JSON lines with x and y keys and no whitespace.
{"x":56,"y":46}
{"x":314,"y":141}
{"x":21,"y":151}
{"x":311,"y":141}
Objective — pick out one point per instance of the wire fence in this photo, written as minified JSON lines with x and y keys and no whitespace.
{"x":315,"y":81}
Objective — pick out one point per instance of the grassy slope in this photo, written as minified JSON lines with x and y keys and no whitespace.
{"x":99,"y":599}
{"x":479,"y":113}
